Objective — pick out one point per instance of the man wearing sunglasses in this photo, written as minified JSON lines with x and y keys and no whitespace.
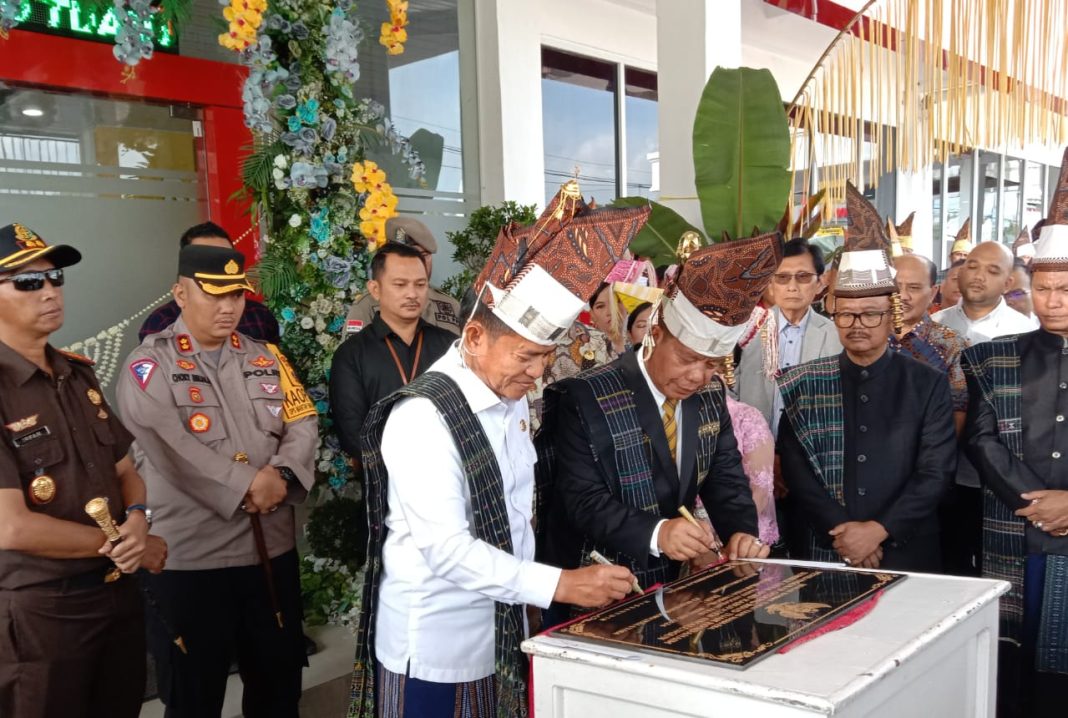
{"x":867,"y":439}
{"x":71,"y":627}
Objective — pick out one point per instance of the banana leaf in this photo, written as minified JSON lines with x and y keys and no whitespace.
{"x":659,"y":238}
{"x":741,"y":152}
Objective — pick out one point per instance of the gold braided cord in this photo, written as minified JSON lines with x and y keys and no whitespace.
{"x":946,"y":75}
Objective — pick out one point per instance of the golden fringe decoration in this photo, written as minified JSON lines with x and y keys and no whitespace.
{"x":949,"y":75}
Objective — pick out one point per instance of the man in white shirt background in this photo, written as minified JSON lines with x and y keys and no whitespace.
{"x":981,"y":314}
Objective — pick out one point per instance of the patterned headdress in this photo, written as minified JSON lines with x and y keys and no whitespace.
{"x":716,"y":290}
{"x":964,"y":241}
{"x":900,"y":236}
{"x":1023,"y":246}
{"x":864,"y":269}
{"x":1051,"y":251}
{"x":539,"y":277}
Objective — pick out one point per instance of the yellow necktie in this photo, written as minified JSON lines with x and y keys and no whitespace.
{"x":670,"y":427}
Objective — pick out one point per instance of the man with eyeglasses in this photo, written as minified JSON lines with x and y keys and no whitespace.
{"x":801,"y":334}
{"x":72,"y":635}
{"x":867,"y":439}
{"x":441,"y":310}
{"x":1019,"y":295}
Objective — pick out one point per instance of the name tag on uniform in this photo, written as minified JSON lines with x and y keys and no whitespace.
{"x":353,"y":325}
{"x":32,"y":436}
{"x":1009,"y":426}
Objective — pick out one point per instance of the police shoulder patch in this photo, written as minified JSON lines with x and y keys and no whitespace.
{"x":142,"y":370}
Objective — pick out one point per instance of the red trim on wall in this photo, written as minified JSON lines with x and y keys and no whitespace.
{"x":68,"y":64}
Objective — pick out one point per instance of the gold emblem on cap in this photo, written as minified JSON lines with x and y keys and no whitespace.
{"x":94,"y":397}
{"x":26,"y":236}
{"x":231,"y":267}
{"x":42,"y":489}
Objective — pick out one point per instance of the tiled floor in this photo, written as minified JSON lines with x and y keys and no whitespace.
{"x":326,"y":680}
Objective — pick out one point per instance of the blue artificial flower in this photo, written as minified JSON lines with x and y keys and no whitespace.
{"x":309,"y":112}
{"x":335,"y":324}
{"x":317,"y":393}
{"x":337,"y":482}
{"x":322,"y":407}
{"x":294,"y":122}
{"x":286,"y":102}
{"x":288,"y":314}
{"x":328,"y":128}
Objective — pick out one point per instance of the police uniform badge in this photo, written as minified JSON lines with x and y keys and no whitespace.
{"x":142,"y":370}
{"x":42,"y":489}
{"x":195,"y":395}
{"x":102,"y":414}
{"x":94,"y":397}
{"x":186,"y":364}
{"x":235,"y":341}
{"x":184,"y":342}
{"x":269,"y":388}
{"x":22,"y":424}
{"x":262,"y":362}
{"x":199,"y":423}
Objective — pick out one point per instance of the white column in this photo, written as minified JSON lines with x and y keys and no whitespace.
{"x":693,"y":37}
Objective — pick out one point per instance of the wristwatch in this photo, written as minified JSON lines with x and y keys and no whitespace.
{"x":143,"y":509}
{"x":288,"y":475}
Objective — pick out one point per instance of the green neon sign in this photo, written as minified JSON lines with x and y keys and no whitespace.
{"x":70,"y":19}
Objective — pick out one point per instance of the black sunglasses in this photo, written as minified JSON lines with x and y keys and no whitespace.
{"x":32,"y":281}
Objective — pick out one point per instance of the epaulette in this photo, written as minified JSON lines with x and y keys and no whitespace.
{"x":77,"y":358}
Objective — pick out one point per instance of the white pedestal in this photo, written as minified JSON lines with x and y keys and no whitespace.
{"x":928,"y":648}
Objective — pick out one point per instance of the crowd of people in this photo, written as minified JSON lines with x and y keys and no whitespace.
{"x":757,"y":402}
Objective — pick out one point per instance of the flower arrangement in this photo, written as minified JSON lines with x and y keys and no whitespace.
{"x":322,"y":207}
{"x":393,"y":34}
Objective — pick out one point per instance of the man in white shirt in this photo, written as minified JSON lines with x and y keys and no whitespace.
{"x":982,"y":314}
{"x":450,"y":563}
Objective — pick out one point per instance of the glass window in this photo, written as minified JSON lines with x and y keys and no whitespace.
{"x":420,"y":89}
{"x":1011,"y":201}
{"x":120,"y":180}
{"x":578,"y":96}
{"x":1034,"y":203}
{"x":988,"y":198}
{"x":958,"y":193}
{"x":643,"y":134}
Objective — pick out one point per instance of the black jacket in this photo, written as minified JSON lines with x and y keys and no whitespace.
{"x":900,"y":456}
{"x":363,"y":372}
{"x":585,"y":481}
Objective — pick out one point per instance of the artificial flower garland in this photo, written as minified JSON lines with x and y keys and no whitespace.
{"x":245,"y":18}
{"x":393,"y":35}
{"x":379,"y":202}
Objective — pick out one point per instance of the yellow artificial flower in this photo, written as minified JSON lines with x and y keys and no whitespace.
{"x":244,"y":17}
{"x":374,"y":232}
{"x":367,"y":177}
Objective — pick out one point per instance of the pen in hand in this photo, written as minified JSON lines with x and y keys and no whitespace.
{"x":596,"y":557}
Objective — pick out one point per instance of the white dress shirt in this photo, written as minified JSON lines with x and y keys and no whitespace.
{"x":660,"y":398}
{"x":1003,"y":321}
{"x":439,"y":583}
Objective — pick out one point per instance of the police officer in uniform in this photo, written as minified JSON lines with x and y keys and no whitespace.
{"x":441,"y":310}
{"x":72,"y":638}
{"x":227,"y":439}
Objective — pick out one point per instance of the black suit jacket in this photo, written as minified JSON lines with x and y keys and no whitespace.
{"x":585,"y":480}
{"x":900,"y":457}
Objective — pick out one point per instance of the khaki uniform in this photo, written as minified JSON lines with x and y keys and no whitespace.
{"x":190,"y":418}
{"x":441,"y":311}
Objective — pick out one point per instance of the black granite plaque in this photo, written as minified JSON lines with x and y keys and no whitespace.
{"x":733,"y":614}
